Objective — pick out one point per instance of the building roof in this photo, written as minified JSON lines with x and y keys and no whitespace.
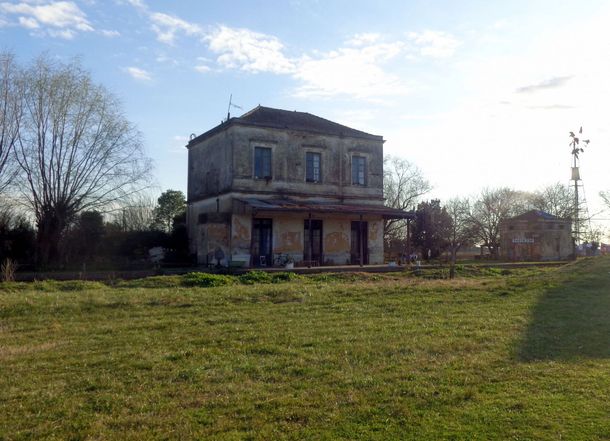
{"x":535,"y":215}
{"x":292,"y":206}
{"x":285,"y":119}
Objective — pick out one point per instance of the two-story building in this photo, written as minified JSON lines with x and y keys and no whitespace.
{"x":274,"y":184}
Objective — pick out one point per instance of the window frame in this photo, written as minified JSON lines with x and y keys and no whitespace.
{"x":267,"y":151}
{"x":356,"y":172}
{"x":313,"y":154}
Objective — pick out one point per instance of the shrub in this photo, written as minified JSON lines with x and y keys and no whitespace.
{"x":7,"y":270}
{"x":252,"y":277}
{"x":205,"y":280}
{"x":284,"y":277}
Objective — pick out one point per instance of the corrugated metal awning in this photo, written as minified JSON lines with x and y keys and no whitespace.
{"x":292,"y":206}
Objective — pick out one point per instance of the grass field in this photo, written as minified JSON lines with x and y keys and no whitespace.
{"x":511,"y":354}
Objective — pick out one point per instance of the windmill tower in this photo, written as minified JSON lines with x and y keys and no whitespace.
{"x":579,"y":199}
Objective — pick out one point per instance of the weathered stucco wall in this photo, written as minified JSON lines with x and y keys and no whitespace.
{"x":288,"y":237}
{"x":376,"y":242}
{"x":337,"y":240}
{"x":210,"y":166}
{"x":213,"y":242}
{"x":523,"y":240}
{"x":225,"y":162}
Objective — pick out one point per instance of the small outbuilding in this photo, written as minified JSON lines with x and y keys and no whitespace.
{"x":536,"y":236}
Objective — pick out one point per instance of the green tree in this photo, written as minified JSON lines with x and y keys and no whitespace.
{"x":170,"y":204}
{"x":432,"y":228}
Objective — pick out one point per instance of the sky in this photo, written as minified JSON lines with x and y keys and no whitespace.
{"x":475,"y":93}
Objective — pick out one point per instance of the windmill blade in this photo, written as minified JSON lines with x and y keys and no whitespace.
{"x":580,"y":131}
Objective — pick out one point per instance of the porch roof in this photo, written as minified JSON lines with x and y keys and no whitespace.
{"x":292,"y":206}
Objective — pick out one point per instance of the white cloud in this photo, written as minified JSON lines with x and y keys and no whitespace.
{"x":434,"y":44}
{"x":137,"y":4}
{"x":62,"y":19}
{"x":353,"y":72}
{"x":167,"y":26}
{"x":202,"y":68}
{"x":28,"y":23}
{"x":138,"y":73}
{"x":110,"y":33}
{"x":66,"y":34}
{"x":363,"y":39}
{"x":249,"y":51}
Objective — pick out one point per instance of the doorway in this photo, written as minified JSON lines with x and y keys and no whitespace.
{"x":359,"y":242}
{"x":313,"y":242}
{"x":262,"y":242}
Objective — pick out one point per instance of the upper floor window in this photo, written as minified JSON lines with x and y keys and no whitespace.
{"x":313,"y":171}
{"x":358,"y":170}
{"x":262,"y":163}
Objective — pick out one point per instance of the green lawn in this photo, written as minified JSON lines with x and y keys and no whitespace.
{"x":512,"y":354}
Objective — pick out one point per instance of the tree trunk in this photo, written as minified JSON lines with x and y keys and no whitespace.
{"x":452,"y":266}
{"x":50,"y":229}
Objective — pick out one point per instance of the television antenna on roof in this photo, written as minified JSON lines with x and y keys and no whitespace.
{"x":232,"y":105}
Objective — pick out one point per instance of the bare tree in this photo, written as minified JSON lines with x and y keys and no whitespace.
{"x":135,"y":212}
{"x":461,"y":232}
{"x":556,"y":199}
{"x":490,"y":209}
{"x":605,"y":195}
{"x":11,"y":111}
{"x":403,"y":185}
{"x":75,"y":148}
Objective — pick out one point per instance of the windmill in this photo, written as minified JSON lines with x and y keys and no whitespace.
{"x":577,"y":148}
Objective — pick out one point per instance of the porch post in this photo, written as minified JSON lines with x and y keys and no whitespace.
{"x":310,"y":238}
{"x":361,"y":241}
{"x":252,"y":262}
{"x":409,"y":239}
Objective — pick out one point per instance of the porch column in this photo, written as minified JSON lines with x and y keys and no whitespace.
{"x":310,"y":239}
{"x":361,"y":241}
{"x":252,"y":240}
{"x":409,"y":239}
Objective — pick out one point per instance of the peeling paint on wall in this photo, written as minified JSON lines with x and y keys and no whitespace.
{"x":336,"y":242}
{"x":240,"y":231}
{"x":290,"y":241}
{"x":374,"y":230}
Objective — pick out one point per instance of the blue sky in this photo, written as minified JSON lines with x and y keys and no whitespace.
{"x":476,"y":93}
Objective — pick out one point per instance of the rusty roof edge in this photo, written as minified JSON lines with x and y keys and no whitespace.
{"x":322,"y":207}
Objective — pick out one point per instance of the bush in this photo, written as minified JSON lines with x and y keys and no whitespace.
{"x":284,"y":277}
{"x":206,"y":280}
{"x":7,"y":270}
{"x":252,"y":277}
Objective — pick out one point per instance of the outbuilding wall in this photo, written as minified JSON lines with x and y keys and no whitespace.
{"x":536,"y":240}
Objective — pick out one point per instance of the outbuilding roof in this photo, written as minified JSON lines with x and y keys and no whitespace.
{"x":536,"y":214}
{"x":290,"y":120}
